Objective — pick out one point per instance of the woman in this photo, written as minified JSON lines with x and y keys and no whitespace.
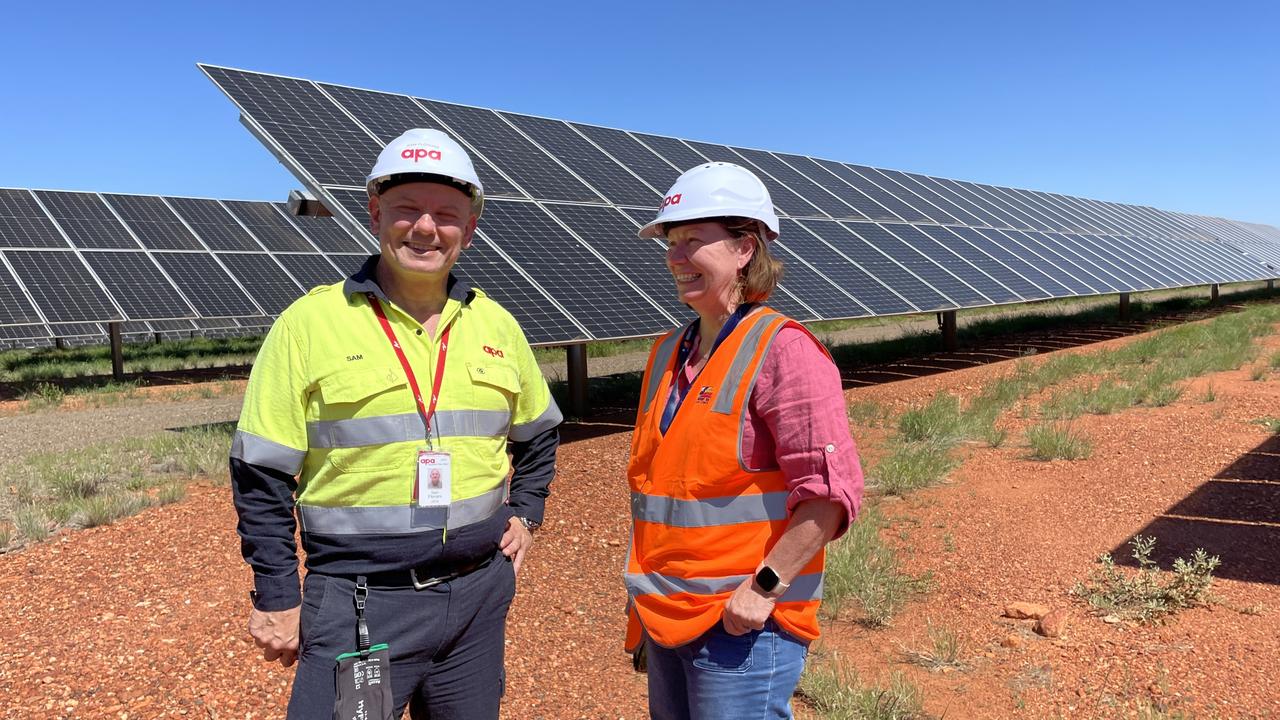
{"x":741,"y":469}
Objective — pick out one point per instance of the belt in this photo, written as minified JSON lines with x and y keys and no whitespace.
{"x":424,"y":576}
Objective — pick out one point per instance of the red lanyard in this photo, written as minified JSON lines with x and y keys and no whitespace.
{"x":423,"y":410}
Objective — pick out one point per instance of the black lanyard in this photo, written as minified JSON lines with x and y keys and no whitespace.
{"x":675,"y":398}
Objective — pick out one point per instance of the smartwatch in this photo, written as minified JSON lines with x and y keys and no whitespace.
{"x":767,"y":580}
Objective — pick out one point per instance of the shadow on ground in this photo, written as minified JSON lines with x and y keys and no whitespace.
{"x":1234,"y":515}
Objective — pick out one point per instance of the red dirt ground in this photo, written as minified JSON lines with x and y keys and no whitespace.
{"x":145,"y":618}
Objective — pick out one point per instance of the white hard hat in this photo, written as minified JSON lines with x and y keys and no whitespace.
{"x":716,"y":189}
{"x":422,"y":155}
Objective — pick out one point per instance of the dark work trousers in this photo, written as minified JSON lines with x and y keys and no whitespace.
{"x":446,"y":643}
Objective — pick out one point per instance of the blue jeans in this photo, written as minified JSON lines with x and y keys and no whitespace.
{"x":726,"y":677}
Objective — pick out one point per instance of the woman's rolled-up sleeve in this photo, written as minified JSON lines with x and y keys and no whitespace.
{"x":798,"y":400}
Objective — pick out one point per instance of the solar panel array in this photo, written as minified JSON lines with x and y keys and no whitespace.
{"x":163,"y":266}
{"x":557,"y":240}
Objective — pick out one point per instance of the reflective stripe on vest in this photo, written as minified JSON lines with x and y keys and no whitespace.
{"x":387,"y":429}
{"x":663,"y":352}
{"x":398,"y":519}
{"x":707,"y":512}
{"x":803,"y":587}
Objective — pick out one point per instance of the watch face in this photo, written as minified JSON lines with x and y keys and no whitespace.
{"x":767,"y":579}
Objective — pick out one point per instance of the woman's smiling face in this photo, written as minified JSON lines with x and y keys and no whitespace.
{"x":705,"y":260}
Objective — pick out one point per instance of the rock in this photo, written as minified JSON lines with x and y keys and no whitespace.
{"x":1111,"y":619}
{"x":1054,"y":623}
{"x":1012,"y":641}
{"x":1025,"y":611}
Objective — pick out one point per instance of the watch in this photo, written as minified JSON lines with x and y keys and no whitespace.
{"x":528,"y":524}
{"x":767,"y":580}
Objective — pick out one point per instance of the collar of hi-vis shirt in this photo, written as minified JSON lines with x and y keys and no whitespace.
{"x":365,"y":280}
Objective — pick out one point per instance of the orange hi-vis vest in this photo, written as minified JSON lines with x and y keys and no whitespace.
{"x":701,"y":521}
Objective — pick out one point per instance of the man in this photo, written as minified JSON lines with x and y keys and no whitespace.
{"x":387,"y":404}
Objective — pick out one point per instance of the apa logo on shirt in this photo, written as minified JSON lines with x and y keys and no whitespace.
{"x":494,"y":352}
{"x":704,"y":395}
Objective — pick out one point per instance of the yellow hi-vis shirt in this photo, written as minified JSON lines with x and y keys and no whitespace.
{"x":328,"y":401}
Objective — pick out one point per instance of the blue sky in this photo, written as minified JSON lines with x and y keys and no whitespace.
{"x":1170,"y":104}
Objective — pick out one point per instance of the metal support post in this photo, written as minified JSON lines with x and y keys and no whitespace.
{"x":1124,"y":306}
{"x":117,"y":352}
{"x":576,"y":359}
{"x":1213,"y":294}
{"x":947,"y":320}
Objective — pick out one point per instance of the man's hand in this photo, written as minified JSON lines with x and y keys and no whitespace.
{"x":276,"y":633}
{"x":748,"y":609}
{"x":515,"y":541}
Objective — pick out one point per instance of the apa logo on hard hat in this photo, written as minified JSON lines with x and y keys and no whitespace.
{"x":416,"y":153}
{"x":670,"y":200}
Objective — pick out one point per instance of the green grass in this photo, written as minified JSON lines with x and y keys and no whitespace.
{"x":1145,"y":594}
{"x":1272,"y":424}
{"x":942,"y":654}
{"x":836,"y":692}
{"x":102,"y":483}
{"x":32,"y":366}
{"x":861,"y":567}
{"x":910,"y":466}
{"x":1056,"y":440}
{"x":939,"y":421}
{"x":869,"y":413}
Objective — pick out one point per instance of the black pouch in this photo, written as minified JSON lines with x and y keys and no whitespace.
{"x":363,"y":678}
{"x":364,"y":685}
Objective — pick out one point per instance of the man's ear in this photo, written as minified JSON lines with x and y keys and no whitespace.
{"x":375,"y":214}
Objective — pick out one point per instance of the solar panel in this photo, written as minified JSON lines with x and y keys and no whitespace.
{"x":266,"y":282}
{"x":594,"y":293}
{"x":614,"y":181}
{"x":87,"y":220}
{"x":311,"y":270}
{"x":903,"y":242}
{"x":211,"y":222}
{"x":153,"y":222}
{"x":206,"y":284}
{"x":305,"y":124}
{"x":137,"y":284}
{"x":15,"y":307}
{"x":24,"y":224}
{"x":271,"y":228}
{"x":387,"y":116}
{"x":61,"y":286}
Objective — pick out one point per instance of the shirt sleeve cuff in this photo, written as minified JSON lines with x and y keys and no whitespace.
{"x":273,"y":594}
{"x":528,"y":507}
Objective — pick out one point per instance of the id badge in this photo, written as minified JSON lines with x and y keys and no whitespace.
{"x":435,"y":478}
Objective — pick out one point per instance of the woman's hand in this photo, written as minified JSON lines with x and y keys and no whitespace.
{"x":748,"y":608}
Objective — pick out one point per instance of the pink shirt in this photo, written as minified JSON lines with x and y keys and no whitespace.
{"x":797,"y":422}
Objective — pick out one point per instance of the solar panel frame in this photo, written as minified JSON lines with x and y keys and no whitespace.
{"x":272,"y":230}
{"x":632,"y":154}
{"x":86,"y":220}
{"x":210,"y":289}
{"x":938,"y":278}
{"x":17,"y":306}
{"x":786,"y":200}
{"x":892,"y":182}
{"x":266,"y":281}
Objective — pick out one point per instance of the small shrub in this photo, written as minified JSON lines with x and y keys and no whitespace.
{"x":1270,"y":423}
{"x":1274,"y":362}
{"x":45,"y":395}
{"x":912,"y":466}
{"x":1051,"y":441}
{"x":1209,"y":394}
{"x":1258,"y":372}
{"x":30,"y":523}
{"x":1143,"y":595}
{"x":6,"y":536}
{"x":106,"y":509}
{"x":171,"y":493}
{"x":837,"y":693}
{"x":943,"y":652}
{"x":939,"y":421}
{"x":868,"y":413}
{"x":76,"y":483}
